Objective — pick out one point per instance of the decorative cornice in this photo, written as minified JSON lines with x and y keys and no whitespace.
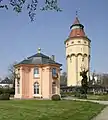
{"x":49,"y":69}
{"x":84,"y":37}
{"x":26,"y":69}
{"x":79,"y":54}
{"x":77,"y":44}
{"x":43,"y":69}
{"x":38,"y":65}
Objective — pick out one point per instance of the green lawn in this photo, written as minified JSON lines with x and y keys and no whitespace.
{"x":98,"y":97}
{"x":48,"y":110}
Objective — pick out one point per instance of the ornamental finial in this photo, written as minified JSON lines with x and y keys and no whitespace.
{"x":39,"y":50}
{"x":76,"y":13}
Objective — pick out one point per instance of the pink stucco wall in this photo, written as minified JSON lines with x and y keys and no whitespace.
{"x":44,"y":79}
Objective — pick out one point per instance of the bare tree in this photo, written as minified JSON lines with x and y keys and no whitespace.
{"x":30,"y":5}
{"x":84,"y":82}
{"x":0,"y":79}
{"x":104,"y":80}
{"x":12,"y":73}
{"x":63,"y":79}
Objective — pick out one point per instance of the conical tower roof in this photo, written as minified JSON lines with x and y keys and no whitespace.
{"x":76,"y":21}
{"x":77,"y":29}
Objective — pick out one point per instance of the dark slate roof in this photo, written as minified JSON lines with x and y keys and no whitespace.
{"x":6,"y":81}
{"x":38,"y":55}
{"x":39,"y":58}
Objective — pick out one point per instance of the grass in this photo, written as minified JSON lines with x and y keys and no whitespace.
{"x":48,"y":110}
{"x":98,"y":97}
{"x":90,"y":96}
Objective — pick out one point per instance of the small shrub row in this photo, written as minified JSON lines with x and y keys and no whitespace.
{"x":97,"y":93}
{"x":5,"y":93}
{"x":81,"y":96}
{"x":5,"y":96}
{"x":7,"y":90}
{"x":65,"y":94}
{"x":56,"y":97}
{"x":77,"y":94}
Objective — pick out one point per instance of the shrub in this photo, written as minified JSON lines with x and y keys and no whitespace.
{"x":83,"y":96}
{"x":65,"y":94}
{"x":90,"y":93}
{"x":56,"y":97}
{"x":7,"y":90}
{"x":77,"y":94}
{"x":4,"y":96}
{"x":12,"y":91}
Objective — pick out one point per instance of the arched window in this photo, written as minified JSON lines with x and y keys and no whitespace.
{"x":36,"y":88}
{"x":36,"y":72}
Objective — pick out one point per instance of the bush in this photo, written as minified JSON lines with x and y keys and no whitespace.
{"x":90,"y":93}
{"x":56,"y":97}
{"x":5,"y":96}
{"x":77,"y":94}
{"x":65,"y":94}
{"x":7,"y":90}
{"x":12,"y":91}
{"x":83,"y":96}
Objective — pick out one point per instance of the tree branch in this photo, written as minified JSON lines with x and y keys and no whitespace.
{"x":31,"y":6}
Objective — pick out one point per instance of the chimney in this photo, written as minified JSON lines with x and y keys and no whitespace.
{"x":53,"y":57}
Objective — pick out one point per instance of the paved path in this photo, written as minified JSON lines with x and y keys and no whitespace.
{"x":104,"y":113}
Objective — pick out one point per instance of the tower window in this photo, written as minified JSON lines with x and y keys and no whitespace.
{"x":79,"y":41}
{"x":85,"y":42}
{"x":67,"y":44}
{"x":83,"y":59}
{"x":72,"y":42}
{"x":70,"y":60}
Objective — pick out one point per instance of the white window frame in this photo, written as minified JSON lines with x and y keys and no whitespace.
{"x":36,"y":72}
{"x":36,"y":88}
{"x":54,"y":71}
